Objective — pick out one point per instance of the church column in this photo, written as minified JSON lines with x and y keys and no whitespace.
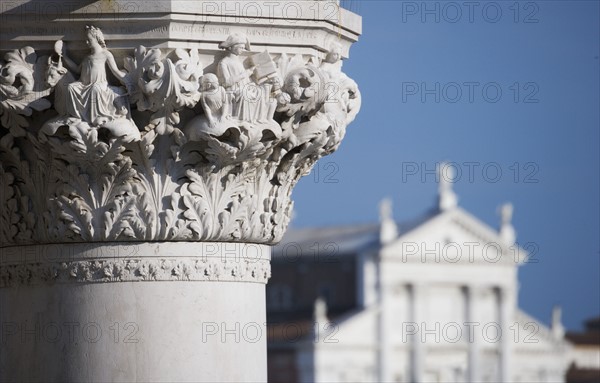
{"x":472,"y":335}
{"x":388,"y":233}
{"x":505,"y":310}
{"x":383,"y":332}
{"x":148,"y":152}
{"x":418,"y":347}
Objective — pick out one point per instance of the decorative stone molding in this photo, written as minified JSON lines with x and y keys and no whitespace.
{"x":135,"y":270}
{"x":145,"y":262}
{"x":160,"y":148}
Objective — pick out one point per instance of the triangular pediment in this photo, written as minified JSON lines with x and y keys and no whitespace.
{"x":454,"y":236}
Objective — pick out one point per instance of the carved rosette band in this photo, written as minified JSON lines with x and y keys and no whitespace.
{"x":165,"y":149}
{"x":134,"y":270}
{"x":37,"y":265}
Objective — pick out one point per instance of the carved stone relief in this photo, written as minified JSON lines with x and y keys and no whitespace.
{"x":157,"y":150}
{"x":134,"y":270}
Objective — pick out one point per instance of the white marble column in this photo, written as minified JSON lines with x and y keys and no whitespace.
{"x":505,"y":310}
{"x":472,"y":336}
{"x":418,"y":346}
{"x":148,"y":152}
{"x":137,"y":312}
{"x":384,"y":329}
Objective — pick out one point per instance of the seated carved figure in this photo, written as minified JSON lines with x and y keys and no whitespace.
{"x":215,"y":102}
{"x":253,"y":91}
{"x":91,"y":99}
{"x":238,"y":102}
{"x":213,"y":99}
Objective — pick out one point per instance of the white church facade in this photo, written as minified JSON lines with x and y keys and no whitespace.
{"x":429,"y":301}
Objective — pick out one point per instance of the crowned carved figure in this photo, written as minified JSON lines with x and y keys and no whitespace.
{"x":90,"y":102}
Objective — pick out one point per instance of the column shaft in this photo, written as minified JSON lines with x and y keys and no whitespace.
{"x":504,"y":309}
{"x":418,"y":347}
{"x":147,"y":312}
{"x":473,"y":351}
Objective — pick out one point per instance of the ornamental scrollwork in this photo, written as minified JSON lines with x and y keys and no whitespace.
{"x":160,"y":148}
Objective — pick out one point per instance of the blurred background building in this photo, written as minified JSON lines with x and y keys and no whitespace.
{"x":433,"y":300}
{"x":586,"y":353}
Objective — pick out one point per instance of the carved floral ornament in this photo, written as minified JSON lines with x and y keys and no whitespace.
{"x":165,"y":152}
{"x":142,"y":269}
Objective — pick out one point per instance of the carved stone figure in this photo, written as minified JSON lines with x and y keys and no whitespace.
{"x":214,"y":99}
{"x":507,"y":231}
{"x":59,"y":78}
{"x":269,"y":84}
{"x":215,"y":103}
{"x":157,"y":84}
{"x":254,"y":91}
{"x":91,"y":99}
{"x":235,"y":78}
{"x":331,"y":65}
{"x":343,"y":99}
{"x":329,"y":101}
{"x":447,"y":197}
{"x":238,"y":122}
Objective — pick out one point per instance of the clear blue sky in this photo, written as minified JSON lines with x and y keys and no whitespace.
{"x":543,"y":57}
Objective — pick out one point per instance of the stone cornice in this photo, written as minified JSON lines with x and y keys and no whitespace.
{"x":309,"y":26}
{"x":160,"y":146}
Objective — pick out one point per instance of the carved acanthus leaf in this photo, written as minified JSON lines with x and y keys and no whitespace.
{"x":9,"y":210}
{"x":94,"y":186}
{"x":209,"y":199}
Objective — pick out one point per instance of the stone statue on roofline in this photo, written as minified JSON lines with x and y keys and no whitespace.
{"x":507,"y":231}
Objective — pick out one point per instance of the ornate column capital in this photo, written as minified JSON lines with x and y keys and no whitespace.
{"x":137,"y":144}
